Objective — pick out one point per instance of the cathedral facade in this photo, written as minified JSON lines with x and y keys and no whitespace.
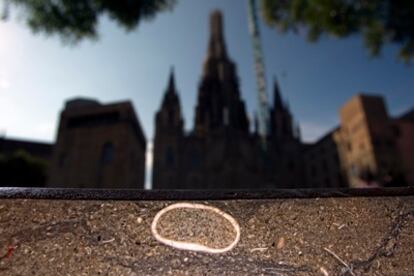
{"x":221,"y":152}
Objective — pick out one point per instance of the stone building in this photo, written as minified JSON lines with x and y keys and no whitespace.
{"x":98,"y":146}
{"x":322,"y":163}
{"x":368,"y":149}
{"x":220,"y":152}
{"x":403,"y":127}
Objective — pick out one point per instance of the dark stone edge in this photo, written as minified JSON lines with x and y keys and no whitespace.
{"x":95,"y":194}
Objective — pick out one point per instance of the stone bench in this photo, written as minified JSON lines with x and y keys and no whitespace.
{"x":298,"y":232}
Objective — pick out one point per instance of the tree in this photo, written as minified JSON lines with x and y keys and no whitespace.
{"x":379,"y":22}
{"x":22,"y":170}
{"x":75,"y":20}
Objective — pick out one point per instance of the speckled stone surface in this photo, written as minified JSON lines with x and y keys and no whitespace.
{"x":308,"y":236}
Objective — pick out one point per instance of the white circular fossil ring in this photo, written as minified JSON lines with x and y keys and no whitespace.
{"x":191,"y":245}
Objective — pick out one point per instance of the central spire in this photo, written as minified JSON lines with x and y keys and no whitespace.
{"x":219,"y":105}
{"x":171,"y":82}
{"x":217,"y":46}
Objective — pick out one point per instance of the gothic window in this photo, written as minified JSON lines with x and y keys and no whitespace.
{"x":107,"y":155}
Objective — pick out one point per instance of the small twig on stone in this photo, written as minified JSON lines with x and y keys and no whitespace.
{"x":341,"y":226}
{"x":261,"y":249}
{"x":324,"y":271}
{"x":340,"y":260}
{"x":108,"y":241}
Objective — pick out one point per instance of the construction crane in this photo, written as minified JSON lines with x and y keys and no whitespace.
{"x":262,"y":98}
{"x":5,"y":11}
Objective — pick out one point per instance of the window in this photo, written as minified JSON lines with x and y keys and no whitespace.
{"x":107,"y":155}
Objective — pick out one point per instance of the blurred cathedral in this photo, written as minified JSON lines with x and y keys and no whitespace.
{"x":103,"y":145}
{"x":221,"y":152}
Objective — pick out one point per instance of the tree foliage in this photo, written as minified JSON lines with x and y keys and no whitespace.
{"x":75,"y":20}
{"x":22,"y":170}
{"x":378,"y":21}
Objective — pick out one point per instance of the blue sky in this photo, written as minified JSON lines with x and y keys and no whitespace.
{"x":38,"y":73}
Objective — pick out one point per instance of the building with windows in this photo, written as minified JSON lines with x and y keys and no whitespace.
{"x":403,"y":127}
{"x":368,"y":149}
{"x":98,"y":146}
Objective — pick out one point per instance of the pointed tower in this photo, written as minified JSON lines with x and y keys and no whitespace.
{"x":277,"y":98}
{"x":168,"y":139}
{"x":219,"y":105}
{"x":169,"y":119}
{"x":217,"y":45}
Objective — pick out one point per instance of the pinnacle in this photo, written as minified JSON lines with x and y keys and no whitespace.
{"x":171,"y":82}
{"x":217,"y":46}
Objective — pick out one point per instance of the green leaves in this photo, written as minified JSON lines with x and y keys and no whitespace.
{"x":74,"y":20}
{"x":22,"y":170}
{"x":380,"y":22}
